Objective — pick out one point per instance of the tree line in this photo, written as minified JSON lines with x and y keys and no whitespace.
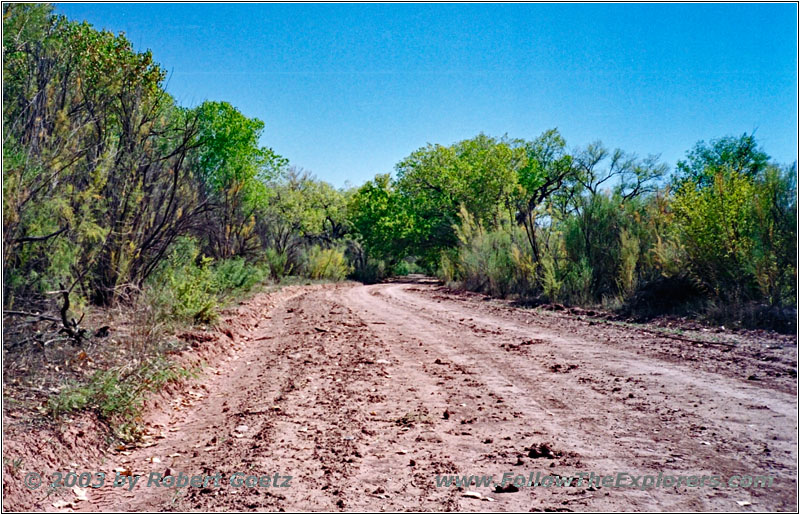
{"x":592,"y":225}
{"x":112,"y":190}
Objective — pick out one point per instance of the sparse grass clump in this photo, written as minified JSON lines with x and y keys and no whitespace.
{"x":117,"y":395}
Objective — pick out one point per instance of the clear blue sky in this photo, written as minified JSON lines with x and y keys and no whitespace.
{"x":348,"y":90}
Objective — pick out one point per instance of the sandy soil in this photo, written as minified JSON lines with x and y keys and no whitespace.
{"x":363,"y":394}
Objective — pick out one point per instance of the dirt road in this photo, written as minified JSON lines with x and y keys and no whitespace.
{"x":364,"y":394}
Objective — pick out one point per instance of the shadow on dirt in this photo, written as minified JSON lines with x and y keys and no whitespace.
{"x":413,"y":279}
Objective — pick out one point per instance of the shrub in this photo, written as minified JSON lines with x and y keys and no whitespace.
{"x":194,"y":292}
{"x":552,"y":284}
{"x":327,"y":264}
{"x":277,"y":263}
{"x":577,"y":286}
{"x":407,"y":267}
{"x":236,"y":276}
{"x":717,"y":228}
{"x":184,"y":286}
{"x":525,"y":269}
{"x":116,"y":395}
{"x":370,"y":271}
{"x":448,"y":269}
{"x":629,"y":257}
{"x":484,"y":261}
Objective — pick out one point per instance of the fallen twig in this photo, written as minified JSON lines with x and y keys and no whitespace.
{"x":25,"y":314}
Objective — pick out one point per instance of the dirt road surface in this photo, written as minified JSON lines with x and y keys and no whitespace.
{"x":364,"y":394}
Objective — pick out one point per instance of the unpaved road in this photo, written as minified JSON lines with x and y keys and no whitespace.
{"x":345,"y":388}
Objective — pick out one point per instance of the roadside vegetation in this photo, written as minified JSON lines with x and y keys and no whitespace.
{"x":127,"y":217}
{"x":592,"y":226}
{"x":118,"y":200}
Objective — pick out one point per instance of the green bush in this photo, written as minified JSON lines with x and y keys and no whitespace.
{"x":370,"y":271}
{"x":739,"y":235}
{"x":717,"y":228}
{"x":194,"y":292}
{"x":578,"y":276}
{"x":628,"y":259}
{"x":117,"y":396}
{"x":277,"y":263}
{"x":183,"y":287}
{"x":552,"y":282}
{"x":484,"y":261}
{"x":328,"y":264}
{"x":407,"y":267}
{"x":236,"y":276}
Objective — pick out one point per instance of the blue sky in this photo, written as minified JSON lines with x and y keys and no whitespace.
{"x":348,"y":90}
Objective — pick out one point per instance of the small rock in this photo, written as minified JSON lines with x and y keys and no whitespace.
{"x":80,"y":493}
{"x":508,"y":489}
{"x":541,"y":450}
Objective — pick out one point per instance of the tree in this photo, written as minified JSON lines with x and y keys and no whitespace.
{"x":233,"y":170}
{"x":729,"y":154}
{"x":382,"y":221}
{"x":546,"y":168}
{"x":601,"y":203}
{"x":303,"y":210}
{"x":478,"y":173}
{"x":95,"y":158}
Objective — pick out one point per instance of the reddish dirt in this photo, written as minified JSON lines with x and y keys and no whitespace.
{"x":363,"y":394}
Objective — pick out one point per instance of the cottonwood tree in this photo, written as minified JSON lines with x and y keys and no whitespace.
{"x":233,"y":171}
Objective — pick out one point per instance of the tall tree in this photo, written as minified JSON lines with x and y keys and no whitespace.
{"x":233,"y":170}
{"x":545,"y":170}
{"x":737,"y":154}
{"x":478,"y":173}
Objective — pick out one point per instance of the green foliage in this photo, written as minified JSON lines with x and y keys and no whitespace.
{"x":234,"y":277}
{"x":448,"y":268}
{"x":110,"y":187}
{"x":485,"y":260}
{"x":95,"y":161}
{"x":382,"y":220}
{"x":190,"y":287}
{"x":547,"y":169}
{"x":193,"y":290}
{"x":435,"y":181}
{"x":234,"y":172}
{"x":552,"y":282}
{"x":736,"y":231}
{"x":303,"y":212}
{"x":593,"y":237}
{"x":277,"y":263}
{"x":729,"y":154}
{"x":775,"y":252}
{"x":118,"y":395}
{"x":327,"y":264}
{"x":407,"y":267}
{"x":369,"y":270}
{"x":628,"y":259}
